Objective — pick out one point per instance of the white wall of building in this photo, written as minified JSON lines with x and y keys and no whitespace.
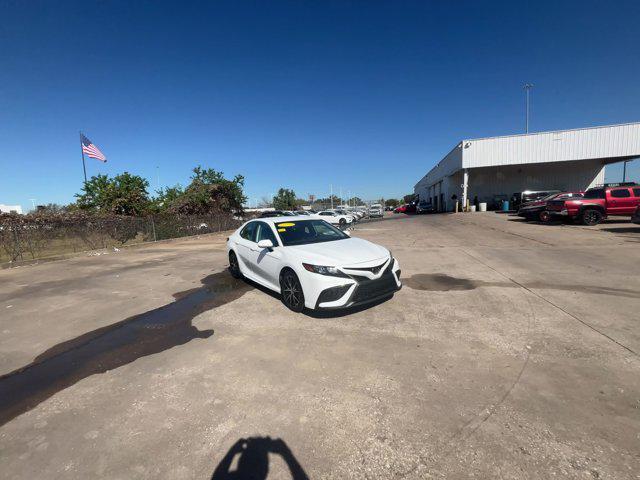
{"x":612,"y":141}
{"x":562,"y":160}
{"x":10,"y":208}
{"x":489,"y":182}
{"x":446,"y":167}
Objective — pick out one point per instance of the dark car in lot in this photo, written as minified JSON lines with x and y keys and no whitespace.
{"x":613,"y":199}
{"x":275,"y":213}
{"x":537,"y":209}
{"x":521,"y":198}
{"x":424,"y":207}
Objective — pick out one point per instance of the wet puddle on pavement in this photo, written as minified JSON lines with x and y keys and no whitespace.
{"x":115,"y":345}
{"x":439,"y":282}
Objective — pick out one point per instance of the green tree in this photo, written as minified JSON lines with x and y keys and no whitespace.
{"x":409,"y":198}
{"x":391,"y":202}
{"x":285,"y":199}
{"x":124,"y":194}
{"x":130,"y":194}
{"x":327,"y":201}
{"x":165,"y":197}
{"x":210,"y":192}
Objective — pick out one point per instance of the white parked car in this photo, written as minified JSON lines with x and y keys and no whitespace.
{"x":341,"y":211}
{"x":376,"y":211}
{"x":311,"y":263}
{"x":356,"y":213}
{"x":335,"y":218}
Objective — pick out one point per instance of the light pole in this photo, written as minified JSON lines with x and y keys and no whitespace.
{"x":331,"y":195}
{"x":527,"y":88}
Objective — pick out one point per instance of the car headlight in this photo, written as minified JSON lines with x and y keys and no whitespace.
{"x":323,"y":270}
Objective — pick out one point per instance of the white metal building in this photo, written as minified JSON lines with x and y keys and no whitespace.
{"x":10,"y":208}
{"x":498,"y":167}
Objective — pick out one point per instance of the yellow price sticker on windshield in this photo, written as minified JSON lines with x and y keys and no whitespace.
{"x":288,"y":224}
{"x":282,"y":229}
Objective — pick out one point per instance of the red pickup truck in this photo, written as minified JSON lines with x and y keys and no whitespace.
{"x":598,"y":203}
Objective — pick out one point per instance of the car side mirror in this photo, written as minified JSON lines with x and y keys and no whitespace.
{"x":265,"y":244}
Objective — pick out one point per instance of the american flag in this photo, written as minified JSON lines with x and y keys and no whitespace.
{"x":90,"y":150}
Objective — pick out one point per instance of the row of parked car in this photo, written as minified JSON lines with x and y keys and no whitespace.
{"x":340,"y":217}
{"x":589,"y":207}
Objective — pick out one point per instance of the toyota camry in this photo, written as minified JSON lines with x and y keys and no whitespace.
{"x":311,"y":263}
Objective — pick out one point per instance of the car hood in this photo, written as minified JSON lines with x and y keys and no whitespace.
{"x":350,"y":251}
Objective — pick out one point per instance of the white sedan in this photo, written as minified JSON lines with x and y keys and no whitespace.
{"x":311,"y":263}
{"x":335,"y":218}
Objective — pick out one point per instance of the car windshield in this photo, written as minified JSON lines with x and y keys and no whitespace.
{"x":302,"y":232}
{"x":549,"y":197}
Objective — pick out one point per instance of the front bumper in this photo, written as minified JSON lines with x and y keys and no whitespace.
{"x":361,"y":290}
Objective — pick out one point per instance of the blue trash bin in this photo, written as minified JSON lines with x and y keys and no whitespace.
{"x":505,"y":205}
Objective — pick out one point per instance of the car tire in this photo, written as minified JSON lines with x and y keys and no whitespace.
{"x":342,"y":222}
{"x":591,"y":217}
{"x":234,"y":266}
{"x":291,"y":291}
{"x":544,"y":216}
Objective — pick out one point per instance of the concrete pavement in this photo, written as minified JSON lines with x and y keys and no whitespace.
{"x":511,"y":352}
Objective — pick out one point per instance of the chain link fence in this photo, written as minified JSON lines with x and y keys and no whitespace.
{"x":26,"y":237}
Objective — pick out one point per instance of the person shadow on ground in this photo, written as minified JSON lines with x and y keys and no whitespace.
{"x":253,"y":460}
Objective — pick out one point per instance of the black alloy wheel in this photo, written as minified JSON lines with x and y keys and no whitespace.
{"x":591,"y":217}
{"x":234,"y":267}
{"x":292,"y":294}
{"x":342,"y":222}
{"x":544,"y":216}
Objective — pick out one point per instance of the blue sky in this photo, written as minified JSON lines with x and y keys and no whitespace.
{"x":364,"y":95}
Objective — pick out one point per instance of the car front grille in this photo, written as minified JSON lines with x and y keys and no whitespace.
{"x":368,"y":289}
{"x":373,"y":270}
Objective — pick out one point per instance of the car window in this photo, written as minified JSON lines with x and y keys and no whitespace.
{"x":264,"y":232}
{"x":620,"y":193}
{"x":636,"y":192}
{"x":249,"y":231}
{"x":594,"y":193}
{"x":303,"y":232}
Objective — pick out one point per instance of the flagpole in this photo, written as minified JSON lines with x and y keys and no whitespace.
{"x":84,"y":167}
